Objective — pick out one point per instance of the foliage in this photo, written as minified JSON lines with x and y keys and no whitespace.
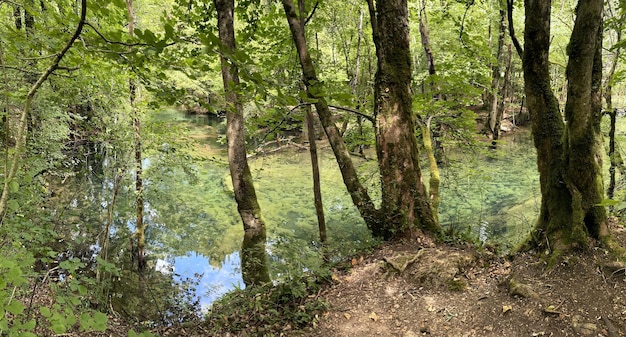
{"x":270,"y":309}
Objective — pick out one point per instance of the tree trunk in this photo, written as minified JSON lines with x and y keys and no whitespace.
{"x":614,"y":156}
{"x":317,"y":188}
{"x":501,"y":104}
{"x":495,"y":92}
{"x":405,"y":204}
{"x":568,"y":156}
{"x":358,"y":193}
{"x":253,"y":256}
{"x":434,"y":181}
{"x":140,"y":230}
{"x":425,"y":38}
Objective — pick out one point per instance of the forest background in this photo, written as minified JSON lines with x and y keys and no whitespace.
{"x":85,"y":84}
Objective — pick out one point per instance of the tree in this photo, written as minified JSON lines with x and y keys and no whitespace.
{"x":405,"y":204}
{"x":9,"y":183}
{"x":568,"y":154}
{"x":253,"y":255}
{"x":314,"y":89}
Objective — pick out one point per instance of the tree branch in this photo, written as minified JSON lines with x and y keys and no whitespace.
{"x":114,"y":42}
{"x":509,"y":14}
{"x":368,"y":117}
{"x":312,"y":12}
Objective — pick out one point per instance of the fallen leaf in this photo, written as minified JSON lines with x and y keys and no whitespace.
{"x":335,"y":278}
{"x":355,"y":261}
{"x":551,"y":309}
{"x":374,"y":317}
{"x":347,"y":315}
{"x":506,"y":308}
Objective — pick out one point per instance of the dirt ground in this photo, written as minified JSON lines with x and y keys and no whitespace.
{"x":422,"y":289}
{"x":404,"y":290}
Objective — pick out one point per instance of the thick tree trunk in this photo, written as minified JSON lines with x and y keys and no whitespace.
{"x":253,"y":256}
{"x":405,"y":204}
{"x":358,"y":193}
{"x":583,"y":112}
{"x":568,"y":156}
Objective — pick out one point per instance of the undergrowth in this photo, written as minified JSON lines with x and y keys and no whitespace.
{"x":269,"y":310}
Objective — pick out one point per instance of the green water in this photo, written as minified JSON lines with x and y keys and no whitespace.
{"x":194,"y":229}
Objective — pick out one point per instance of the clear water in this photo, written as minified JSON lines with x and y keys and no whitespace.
{"x":195,"y":231}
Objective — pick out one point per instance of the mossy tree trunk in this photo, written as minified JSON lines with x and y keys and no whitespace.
{"x":568,"y":154}
{"x":405,"y":204}
{"x":253,"y":256}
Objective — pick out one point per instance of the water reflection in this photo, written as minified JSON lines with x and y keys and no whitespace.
{"x":213,"y":282}
{"x":194,"y":227}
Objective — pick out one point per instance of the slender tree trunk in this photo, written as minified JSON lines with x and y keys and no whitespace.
{"x":502,"y":103}
{"x":495,"y":92}
{"x":253,"y":256}
{"x":614,"y":156}
{"x":434,"y":131}
{"x":317,"y":188}
{"x":568,"y":156}
{"x":140,"y":230}
{"x":434,"y":181}
{"x":358,"y":193}
{"x":405,"y":204}
{"x":425,"y":37}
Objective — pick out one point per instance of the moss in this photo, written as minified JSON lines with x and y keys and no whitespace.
{"x":456,"y":284}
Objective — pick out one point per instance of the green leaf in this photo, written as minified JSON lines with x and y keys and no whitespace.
{"x":59,"y":328}
{"x":15,"y":307}
{"x":13,"y":205}
{"x":169,"y":31}
{"x":86,"y":322}
{"x":14,"y":186}
{"x":100,"y":321}
{"x":45,"y":312}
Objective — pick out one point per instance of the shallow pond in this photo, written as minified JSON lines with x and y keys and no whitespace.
{"x":195,"y":231}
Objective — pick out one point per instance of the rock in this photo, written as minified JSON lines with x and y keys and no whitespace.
{"x":520,"y":289}
{"x":583,"y":328}
{"x":434,"y":267}
{"x":402,"y":261}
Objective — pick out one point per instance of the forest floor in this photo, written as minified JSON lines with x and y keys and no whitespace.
{"x":426,"y":290}
{"x":420,"y":288}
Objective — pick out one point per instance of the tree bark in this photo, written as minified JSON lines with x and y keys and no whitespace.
{"x":568,"y":157}
{"x":253,"y":256}
{"x":317,"y":186}
{"x":405,"y":204}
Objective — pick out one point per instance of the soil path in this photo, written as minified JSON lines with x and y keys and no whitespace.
{"x":456,"y":291}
